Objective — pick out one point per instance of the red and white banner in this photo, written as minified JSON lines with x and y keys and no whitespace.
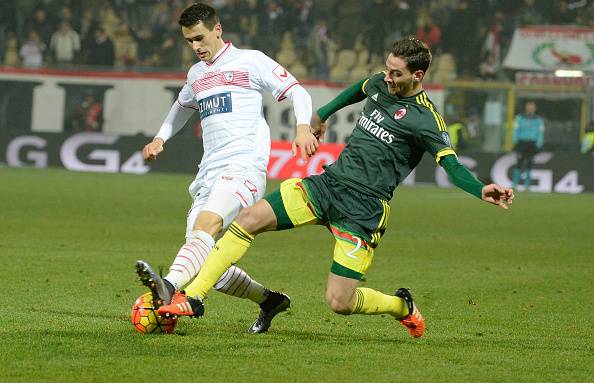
{"x":551,"y":48}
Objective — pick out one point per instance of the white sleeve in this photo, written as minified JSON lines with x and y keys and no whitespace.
{"x":302,"y":106}
{"x":272,"y":76}
{"x":186,"y":97}
{"x":176,"y":119}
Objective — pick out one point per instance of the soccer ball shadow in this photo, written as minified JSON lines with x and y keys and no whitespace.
{"x":146,"y":319}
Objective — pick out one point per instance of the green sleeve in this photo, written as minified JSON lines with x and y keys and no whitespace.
{"x":350,"y":95}
{"x":461,"y":176}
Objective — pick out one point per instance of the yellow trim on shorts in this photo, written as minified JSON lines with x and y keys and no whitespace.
{"x":296,"y":203}
{"x":377,"y":233}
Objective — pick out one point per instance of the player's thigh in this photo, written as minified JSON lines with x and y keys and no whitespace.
{"x":352,"y":256}
{"x":291,"y":205}
{"x":258,"y":218}
{"x":200,"y":198}
{"x":231,"y":193}
{"x":357,"y":233}
{"x":224,"y":199}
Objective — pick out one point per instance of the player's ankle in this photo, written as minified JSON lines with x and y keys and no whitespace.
{"x":170,"y":287}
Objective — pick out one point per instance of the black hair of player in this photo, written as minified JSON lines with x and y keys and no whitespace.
{"x":199,"y":13}
{"x":414,"y":52}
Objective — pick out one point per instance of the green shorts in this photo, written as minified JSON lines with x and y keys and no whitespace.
{"x":357,"y":221}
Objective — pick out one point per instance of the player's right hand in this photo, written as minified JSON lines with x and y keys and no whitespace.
{"x":318,"y":127}
{"x":305,"y":141}
{"x":153,"y":149}
{"x":497,"y":195}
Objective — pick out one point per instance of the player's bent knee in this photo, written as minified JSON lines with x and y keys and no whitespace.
{"x":247,"y":220}
{"x":339,"y":305}
{"x":208,"y":222}
{"x":258,"y":218}
{"x":341,"y":294}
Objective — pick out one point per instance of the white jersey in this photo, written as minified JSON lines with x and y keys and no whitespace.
{"x":227,"y":92}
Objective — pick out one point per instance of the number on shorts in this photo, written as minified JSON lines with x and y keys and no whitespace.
{"x":352,"y":252}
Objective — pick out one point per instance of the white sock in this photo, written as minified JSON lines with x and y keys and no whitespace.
{"x":238,"y":283}
{"x":189,"y":261}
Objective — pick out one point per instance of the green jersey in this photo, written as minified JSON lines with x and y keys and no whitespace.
{"x":389,"y":140}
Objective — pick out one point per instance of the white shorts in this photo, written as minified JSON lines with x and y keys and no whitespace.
{"x":225,"y":195}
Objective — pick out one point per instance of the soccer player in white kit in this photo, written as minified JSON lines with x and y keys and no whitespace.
{"x":225,"y":88}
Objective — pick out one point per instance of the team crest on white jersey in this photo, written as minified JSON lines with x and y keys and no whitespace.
{"x":400,"y":113}
{"x":228,"y":77}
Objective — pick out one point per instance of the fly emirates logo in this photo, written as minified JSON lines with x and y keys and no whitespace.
{"x":372,"y":125}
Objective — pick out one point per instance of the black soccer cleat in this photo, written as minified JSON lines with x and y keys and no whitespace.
{"x":162,"y":293}
{"x":275,"y":303}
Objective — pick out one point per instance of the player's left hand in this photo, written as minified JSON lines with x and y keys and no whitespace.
{"x":498,"y":195}
{"x":305,"y":141}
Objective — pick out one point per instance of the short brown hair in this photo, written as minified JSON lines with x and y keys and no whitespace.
{"x":414,"y":52}
{"x":199,"y":13}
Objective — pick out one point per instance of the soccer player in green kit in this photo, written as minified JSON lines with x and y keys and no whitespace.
{"x":398,"y":124}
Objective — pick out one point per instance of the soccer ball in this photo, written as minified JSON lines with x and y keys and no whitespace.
{"x":146,"y":319}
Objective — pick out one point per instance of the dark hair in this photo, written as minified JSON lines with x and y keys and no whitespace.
{"x":199,"y":13}
{"x":414,"y":52}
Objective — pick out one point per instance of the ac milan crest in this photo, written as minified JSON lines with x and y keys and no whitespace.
{"x":400,"y":113}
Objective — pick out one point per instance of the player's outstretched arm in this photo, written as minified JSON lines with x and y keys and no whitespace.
{"x":465,"y":180}
{"x":497,"y":195}
{"x":176,"y":119}
{"x":351,"y":95}
{"x":305,"y":140}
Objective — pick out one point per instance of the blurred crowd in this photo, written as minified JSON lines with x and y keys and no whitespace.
{"x":144,"y":34}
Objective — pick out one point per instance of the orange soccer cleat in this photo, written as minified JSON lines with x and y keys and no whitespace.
{"x":414,"y":322}
{"x":182,"y":305}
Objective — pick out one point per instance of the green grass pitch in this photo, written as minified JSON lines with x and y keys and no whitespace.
{"x":507,"y":295}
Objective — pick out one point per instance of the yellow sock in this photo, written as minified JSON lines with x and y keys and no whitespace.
{"x":372,"y":302}
{"x":227,"y":251}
